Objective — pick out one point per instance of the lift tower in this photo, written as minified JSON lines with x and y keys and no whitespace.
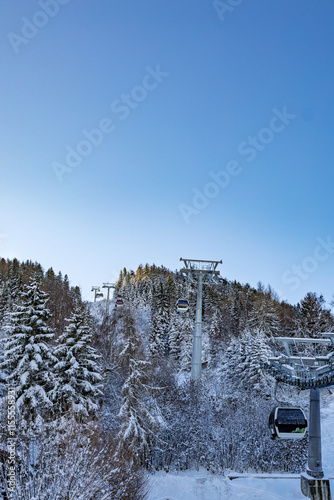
{"x":202,"y":270}
{"x":108,"y":286}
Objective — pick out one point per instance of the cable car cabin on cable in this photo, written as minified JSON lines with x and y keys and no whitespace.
{"x":287,"y":423}
{"x":182,"y":305}
{"x":119,"y":302}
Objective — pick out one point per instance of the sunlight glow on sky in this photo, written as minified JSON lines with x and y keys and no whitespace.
{"x":136,"y":132}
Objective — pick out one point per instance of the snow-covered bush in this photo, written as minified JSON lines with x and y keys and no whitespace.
{"x":75,"y":462}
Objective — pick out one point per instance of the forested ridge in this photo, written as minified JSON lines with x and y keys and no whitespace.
{"x":102,"y":400}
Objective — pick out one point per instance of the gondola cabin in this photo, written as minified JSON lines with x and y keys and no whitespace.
{"x":119,"y":302}
{"x":182,"y":305}
{"x":287,"y":423}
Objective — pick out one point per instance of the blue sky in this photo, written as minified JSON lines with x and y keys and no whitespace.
{"x":153,"y":100}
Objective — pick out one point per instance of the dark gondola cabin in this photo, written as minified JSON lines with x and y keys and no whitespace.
{"x":182,"y":305}
{"x":287,"y":423}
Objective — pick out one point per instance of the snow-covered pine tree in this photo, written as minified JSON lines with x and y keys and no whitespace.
{"x":170,"y":292}
{"x":159,"y":335}
{"x":12,"y":286}
{"x":186,"y":342}
{"x":140,"y":416}
{"x":235,"y":315}
{"x":241,"y":368}
{"x":175,"y":335}
{"x":215,"y":333}
{"x":131,"y":342}
{"x":312,"y":316}
{"x":28,"y":356}
{"x":77,"y":372}
{"x":264,"y":316}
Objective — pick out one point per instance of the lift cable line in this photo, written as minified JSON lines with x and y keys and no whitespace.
{"x":305,"y":372}
{"x":202,"y":271}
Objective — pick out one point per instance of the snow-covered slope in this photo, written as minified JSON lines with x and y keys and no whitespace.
{"x":205,"y":486}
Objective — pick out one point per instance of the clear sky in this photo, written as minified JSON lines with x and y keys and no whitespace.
{"x":145,"y":131}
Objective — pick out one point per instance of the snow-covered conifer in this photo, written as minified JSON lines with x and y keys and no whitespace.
{"x":139,"y":413}
{"x":28,"y":356}
{"x":159,"y":335}
{"x":241,"y":367}
{"x":186,"y":342}
{"x":77,"y":372}
{"x":313,"y":317}
{"x":175,"y":336}
{"x":264,"y":316}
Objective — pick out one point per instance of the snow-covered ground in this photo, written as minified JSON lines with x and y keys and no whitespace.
{"x":191,"y":485}
{"x":205,"y":486}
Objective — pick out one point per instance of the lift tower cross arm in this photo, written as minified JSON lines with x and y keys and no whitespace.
{"x":199,"y":266}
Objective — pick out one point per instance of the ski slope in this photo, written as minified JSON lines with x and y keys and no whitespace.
{"x":202,"y":485}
